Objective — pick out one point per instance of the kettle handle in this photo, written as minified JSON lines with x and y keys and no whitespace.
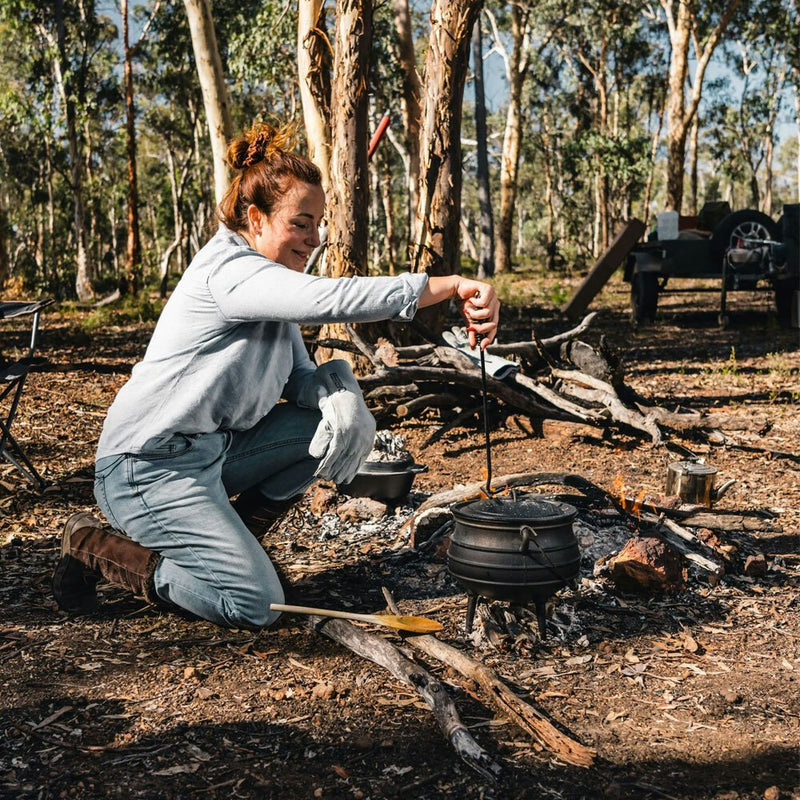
{"x":717,"y":493}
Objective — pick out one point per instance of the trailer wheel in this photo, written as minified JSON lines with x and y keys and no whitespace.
{"x":644,"y":297}
{"x":735,"y":228}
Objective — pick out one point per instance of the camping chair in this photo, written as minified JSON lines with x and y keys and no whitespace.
{"x":12,"y":381}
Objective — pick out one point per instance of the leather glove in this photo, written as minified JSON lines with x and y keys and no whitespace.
{"x":346,"y":434}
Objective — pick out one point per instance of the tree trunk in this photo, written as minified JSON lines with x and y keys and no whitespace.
{"x":313,"y":67}
{"x":64,"y":83}
{"x":436,"y":247}
{"x":486,"y":252}
{"x":212,"y":83}
{"x":3,"y":239}
{"x":679,"y":114}
{"x":348,"y":201}
{"x":412,"y":92}
{"x":695,"y":135}
{"x":509,"y":163}
{"x":134,"y":246}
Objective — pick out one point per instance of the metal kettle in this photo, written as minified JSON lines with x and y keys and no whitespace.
{"x":693,"y":482}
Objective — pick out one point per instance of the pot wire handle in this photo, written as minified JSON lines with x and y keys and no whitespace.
{"x":484,"y":392}
{"x":529,"y":534}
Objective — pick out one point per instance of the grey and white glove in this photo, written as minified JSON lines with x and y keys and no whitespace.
{"x":346,"y":434}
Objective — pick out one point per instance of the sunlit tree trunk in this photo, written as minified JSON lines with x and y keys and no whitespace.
{"x":517,"y":63}
{"x":436,"y":249}
{"x":348,"y":199}
{"x":486,"y":252}
{"x":411,"y":94}
{"x":133,"y":250}
{"x":680,"y":113}
{"x":212,"y":83}
{"x":313,"y":66}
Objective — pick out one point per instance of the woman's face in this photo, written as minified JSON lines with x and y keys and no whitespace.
{"x":290,"y":234}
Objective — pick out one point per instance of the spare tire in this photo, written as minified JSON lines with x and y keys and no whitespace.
{"x":745,"y":224}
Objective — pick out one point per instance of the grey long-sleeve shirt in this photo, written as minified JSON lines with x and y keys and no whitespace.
{"x":227,"y":346}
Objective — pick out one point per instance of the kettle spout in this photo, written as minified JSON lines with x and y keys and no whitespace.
{"x":717,"y":493}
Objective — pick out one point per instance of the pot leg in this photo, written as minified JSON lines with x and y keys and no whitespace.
{"x":472,"y":605}
{"x":541,"y":618}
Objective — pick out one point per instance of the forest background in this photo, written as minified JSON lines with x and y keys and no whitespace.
{"x":113,"y":120}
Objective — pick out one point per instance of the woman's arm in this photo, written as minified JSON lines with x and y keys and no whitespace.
{"x":477,"y":301}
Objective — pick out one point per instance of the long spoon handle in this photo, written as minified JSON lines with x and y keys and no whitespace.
{"x":322,"y":612}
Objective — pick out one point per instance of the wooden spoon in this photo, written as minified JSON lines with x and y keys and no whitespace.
{"x":401,"y":622}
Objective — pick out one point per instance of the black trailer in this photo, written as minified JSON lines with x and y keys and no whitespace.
{"x":744,"y":250}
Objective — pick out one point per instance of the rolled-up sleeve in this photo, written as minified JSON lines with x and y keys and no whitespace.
{"x":251,"y":287}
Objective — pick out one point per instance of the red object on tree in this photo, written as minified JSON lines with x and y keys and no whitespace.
{"x":378,"y":135}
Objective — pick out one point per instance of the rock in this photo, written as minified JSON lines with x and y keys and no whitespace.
{"x":730,"y":695}
{"x":772,"y":793}
{"x":361,"y":509}
{"x":323,"y":500}
{"x":755,"y":566}
{"x":647,"y":564}
{"x":323,"y":691}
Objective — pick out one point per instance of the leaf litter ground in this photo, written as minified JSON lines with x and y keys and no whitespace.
{"x":687,"y":695}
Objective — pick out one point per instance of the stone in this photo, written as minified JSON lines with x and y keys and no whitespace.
{"x":323,"y":500}
{"x":361,"y":509}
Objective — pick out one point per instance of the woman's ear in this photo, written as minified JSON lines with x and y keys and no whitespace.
{"x":254,"y":218}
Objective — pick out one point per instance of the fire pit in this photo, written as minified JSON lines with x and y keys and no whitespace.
{"x":519,"y":549}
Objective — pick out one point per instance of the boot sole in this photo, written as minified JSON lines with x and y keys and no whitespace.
{"x":81,"y":519}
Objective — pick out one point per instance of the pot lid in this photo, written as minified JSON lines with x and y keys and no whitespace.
{"x":524,"y":509}
{"x":692,"y":468}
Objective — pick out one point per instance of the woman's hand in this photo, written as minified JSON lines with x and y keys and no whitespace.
{"x":481,"y":309}
{"x":477,"y":301}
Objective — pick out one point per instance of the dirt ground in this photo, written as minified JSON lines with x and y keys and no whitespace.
{"x":693,"y":694}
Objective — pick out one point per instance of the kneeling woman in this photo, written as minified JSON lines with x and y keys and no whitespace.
{"x":201,"y":418}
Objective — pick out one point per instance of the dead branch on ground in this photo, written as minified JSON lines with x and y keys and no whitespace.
{"x":491,"y":690}
{"x":432,"y":691}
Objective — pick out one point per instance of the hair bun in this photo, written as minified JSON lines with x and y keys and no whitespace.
{"x":261,"y":141}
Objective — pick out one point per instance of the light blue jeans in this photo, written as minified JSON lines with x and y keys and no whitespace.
{"x":174,"y":498}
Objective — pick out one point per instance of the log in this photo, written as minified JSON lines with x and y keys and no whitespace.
{"x":594,"y":390}
{"x":493,"y":691}
{"x":441,"y":400}
{"x":588,"y":415}
{"x":472,"y":380}
{"x":475,"y":490}
{"x":685,"y":542}
{"x":386,"y":655}
{"x":604,"y":267}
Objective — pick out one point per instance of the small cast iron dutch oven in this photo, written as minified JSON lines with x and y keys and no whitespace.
{"x":383,"y":480}
{"x":519,"y":550}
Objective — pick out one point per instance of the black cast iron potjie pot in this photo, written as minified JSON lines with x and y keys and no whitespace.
{"x":516,"y":549}
{"x":383,"y":480}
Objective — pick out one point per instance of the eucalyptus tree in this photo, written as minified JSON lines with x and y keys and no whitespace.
{"x":173,"y":141}
{"x":703,"y":26}
{"x":75,"y":45}
{"x":216,"y":99}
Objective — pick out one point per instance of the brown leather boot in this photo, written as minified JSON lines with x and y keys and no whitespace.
{"x":89,"y":552}
{"x":259,"y":513}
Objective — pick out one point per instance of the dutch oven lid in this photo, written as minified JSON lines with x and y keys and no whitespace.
{"x":523,"y":510}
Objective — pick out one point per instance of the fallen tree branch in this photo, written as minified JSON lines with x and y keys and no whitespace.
{"x":475,"y":490}
{"x":386,"y":655}
{"x":526,"y":717}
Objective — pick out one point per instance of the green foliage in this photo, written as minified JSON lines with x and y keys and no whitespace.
{"x":141,"y":309}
